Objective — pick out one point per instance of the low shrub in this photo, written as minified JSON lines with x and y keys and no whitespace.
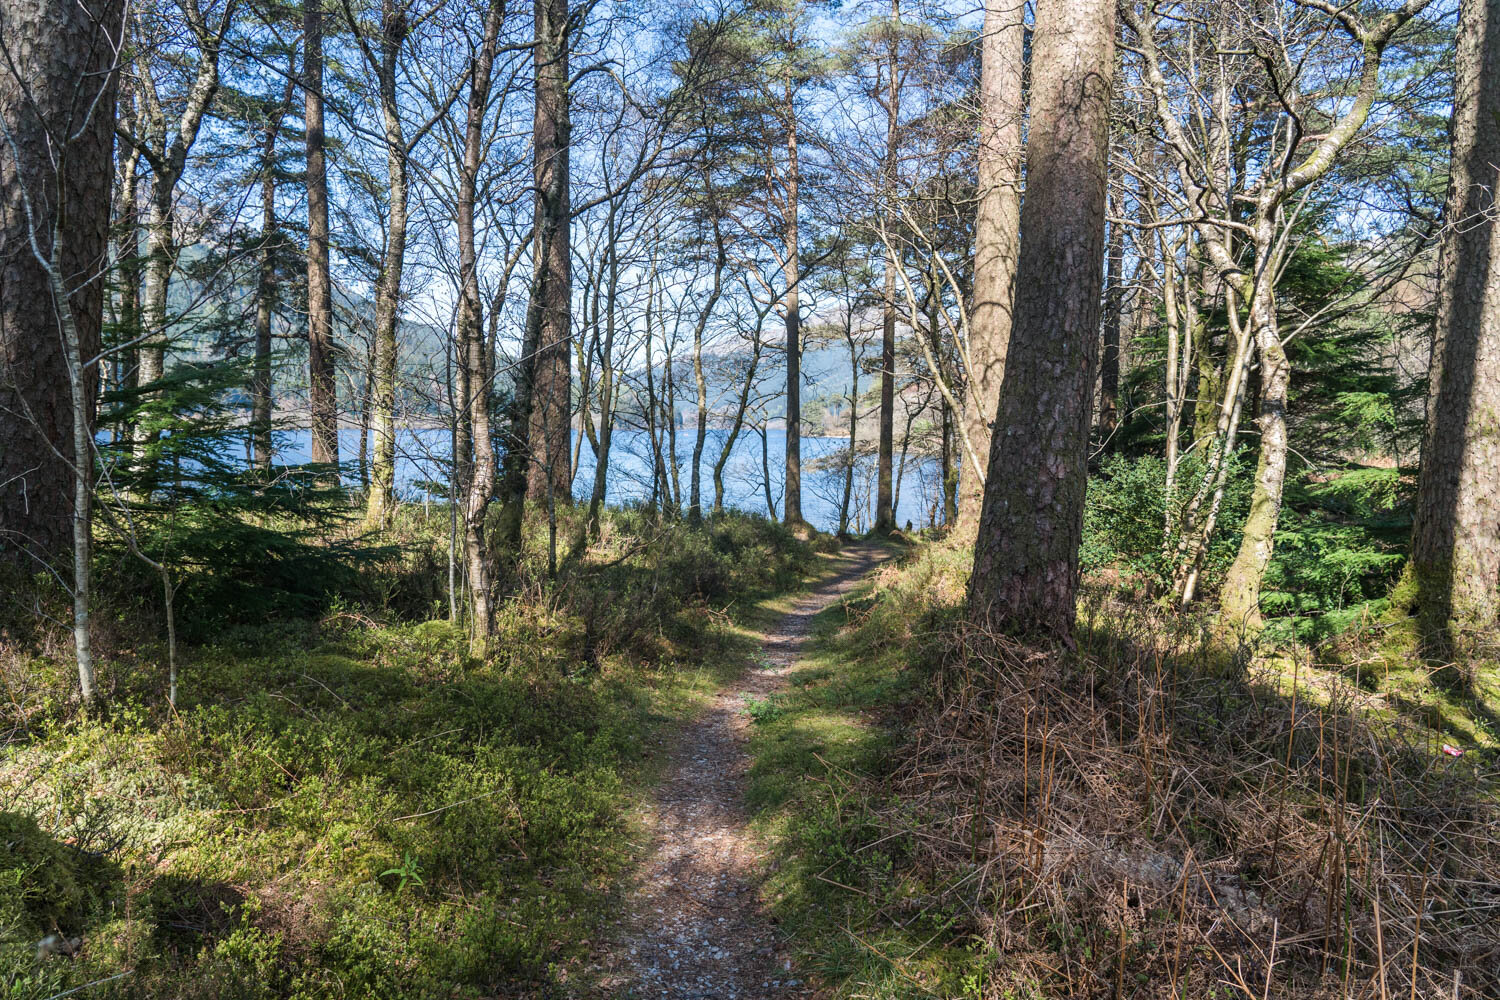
{"x":356,"y":805}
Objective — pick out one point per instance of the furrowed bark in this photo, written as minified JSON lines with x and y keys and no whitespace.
{"x":1455,"y":559}
{"x":996,"y":238}
{"x":322,"y":395}
{"x":1026,"y":555}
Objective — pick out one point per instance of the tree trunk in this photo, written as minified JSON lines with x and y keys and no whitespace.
{"x":1455,"y":561}
{"x":885,"y":512}
{"x":721,"y":261}
{"x":1109,"y":358}
{"x":765,"y":471}
{"x":853,"y":420}
{"x":792,"y":503}
{"x":260,"y":375}
{"x":128,"y":265}
{"x":57,"y":106}
{"x":741,"y":406}
{"x":265,"y":298}
{"x":948,"y":467}
{"x":474,"y":360}
{"x":380,"y":504}
{"x":168,"y":153}
{"x":653,"y":406}
{"x":1026,"y":555}
{"x":551,"y":411}
{"x":1240,"y":600}
{"x":669,"y":421}
{"x":160,"y":254}
{"x":607,"y":391}
{"x":997,"y":235}
{"x":322,"y":394}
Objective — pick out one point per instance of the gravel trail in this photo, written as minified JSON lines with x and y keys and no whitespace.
{"x":692,"y":924}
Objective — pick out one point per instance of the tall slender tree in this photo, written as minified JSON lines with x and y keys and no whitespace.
{"x":1455,"y":557}
{"x":996,"y":234}
{"x":165,"y":141}
{"x":1109,"y":360}
{"x":474,"y":358}
{"x":383,"y":59}
{"x":791,"y":302}
{"x":885,"y":511}
{"x":1026,"y":555}
{"x":267,"y":291}
{"x":322,"y":394}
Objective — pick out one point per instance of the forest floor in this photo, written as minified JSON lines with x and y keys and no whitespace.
{"x":692,"y":923}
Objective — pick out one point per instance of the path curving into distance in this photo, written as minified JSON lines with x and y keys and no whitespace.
{"x":692,"y":925}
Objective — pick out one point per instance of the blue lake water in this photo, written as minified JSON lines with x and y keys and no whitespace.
{"x":422,"y":457}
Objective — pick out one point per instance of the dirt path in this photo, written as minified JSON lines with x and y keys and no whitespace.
{"x":692,"y":926}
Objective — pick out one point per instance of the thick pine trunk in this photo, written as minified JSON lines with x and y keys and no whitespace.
{"x":551,"y":410}
{"x":1455,"y":560}
{"x":1026,"y":554}
{"x":997,"y":236}
{"x":57,"y":102}
{"x":322,"y":396}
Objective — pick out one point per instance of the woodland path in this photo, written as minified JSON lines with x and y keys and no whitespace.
{"x":692,"y":924}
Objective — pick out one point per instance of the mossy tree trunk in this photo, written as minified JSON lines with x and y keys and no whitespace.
{"x":1455,"y":558}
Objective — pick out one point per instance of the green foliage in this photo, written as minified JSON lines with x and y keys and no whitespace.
{"x":1339,"y":547}
{"x":44,"y":884}
{"x":1125,"y":516}
{"x":1339,"y":550}
{"x":360,"y":807}
{"x":242,"y":545}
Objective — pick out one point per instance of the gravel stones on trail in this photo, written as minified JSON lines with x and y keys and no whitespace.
{"x":692,"y":925}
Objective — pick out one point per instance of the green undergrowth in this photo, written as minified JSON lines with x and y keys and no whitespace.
{"x":820,"y":760}
{"x":354,"y":805}
{"x":954,"y":815}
